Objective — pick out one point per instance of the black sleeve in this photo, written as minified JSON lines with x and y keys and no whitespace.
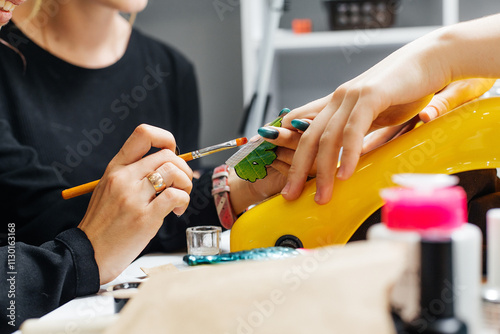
{"x":30,"y":194}
{"x":39,"y":279}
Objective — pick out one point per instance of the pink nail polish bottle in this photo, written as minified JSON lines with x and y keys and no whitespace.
{"x":432,"y":205}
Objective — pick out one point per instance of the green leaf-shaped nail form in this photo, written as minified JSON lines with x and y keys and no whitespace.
{"x":253,"y":166}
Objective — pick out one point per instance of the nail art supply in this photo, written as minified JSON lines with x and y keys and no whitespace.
{"x":90,"y":186}
{"x":250,"y":161}
{"x":432,"y":205}
{"x":491,"y":290}
{"x":203,"y":240}
{"x":437,"y":290}
{"x":269,"y":253}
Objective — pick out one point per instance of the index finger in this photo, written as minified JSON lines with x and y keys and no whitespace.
{"x":141,"y":141}
{"x":305,"y":155}
{"x":286,"y":138}
{"x":307,"y":111}
{"x":356,"y":128}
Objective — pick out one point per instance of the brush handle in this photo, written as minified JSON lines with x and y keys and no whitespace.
{"x":80,"y":190}
{"x":89,"y":187}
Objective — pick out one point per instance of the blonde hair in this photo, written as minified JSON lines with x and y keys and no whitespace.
{"x":36,"y":8}
{"x":132,"y":18}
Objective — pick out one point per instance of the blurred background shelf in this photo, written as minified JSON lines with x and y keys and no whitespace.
{"x":286,"y":40}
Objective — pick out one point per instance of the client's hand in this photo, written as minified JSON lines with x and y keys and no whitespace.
{"x":449,"y":98}
{"x":125,"y":213}
{"x":244,"y":193}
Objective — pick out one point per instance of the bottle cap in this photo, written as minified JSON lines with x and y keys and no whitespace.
{"x":424,"y":202}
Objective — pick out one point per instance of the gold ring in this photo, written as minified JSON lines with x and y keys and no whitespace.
{"x":156,"y":181}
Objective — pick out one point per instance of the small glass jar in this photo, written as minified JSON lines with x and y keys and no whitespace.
{"x":203,"y":240}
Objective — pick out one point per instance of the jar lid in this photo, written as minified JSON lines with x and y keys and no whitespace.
{"x":424,"y":202}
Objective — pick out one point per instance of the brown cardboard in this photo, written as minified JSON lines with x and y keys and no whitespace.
{"x":329,"y":290}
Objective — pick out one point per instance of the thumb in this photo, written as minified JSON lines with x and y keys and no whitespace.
{"x":438,"y":106}
{"x":454,"y":95}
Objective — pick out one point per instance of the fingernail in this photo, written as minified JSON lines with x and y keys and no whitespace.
{"x":340,"y":172}
{"x":268,"y":132}
{"x":431,"y":112}
{"x":300,"y":125}
{"x":285,"y":189}
{"x":284,"y":111}
{"x":317,"y":196}
{"x":177,"y":150}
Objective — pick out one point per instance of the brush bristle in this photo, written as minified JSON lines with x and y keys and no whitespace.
{"x":241,"y":141}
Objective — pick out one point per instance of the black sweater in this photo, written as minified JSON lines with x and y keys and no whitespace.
{"x":60,"y":125}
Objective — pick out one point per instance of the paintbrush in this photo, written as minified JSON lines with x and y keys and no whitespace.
{"x":89,"y":187}
{"x":255,"y":142}
{"x":244,"y":152}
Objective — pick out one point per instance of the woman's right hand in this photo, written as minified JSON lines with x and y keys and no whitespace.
{"x":407,"y":78}
{"x":449,"y":98}
{"x":125,"y":213}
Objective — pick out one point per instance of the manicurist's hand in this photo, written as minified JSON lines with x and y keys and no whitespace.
{"x":125,"y":213}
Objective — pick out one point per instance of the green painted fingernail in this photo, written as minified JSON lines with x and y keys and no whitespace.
{"x":268,"y":133}
{"x":300,"y":125}
{"x":284,"y":111}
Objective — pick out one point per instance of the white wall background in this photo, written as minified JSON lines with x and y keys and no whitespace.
{"x":214,"y":46}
